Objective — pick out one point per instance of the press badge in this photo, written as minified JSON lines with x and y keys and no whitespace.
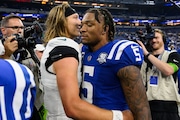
{"x":153,"y":81}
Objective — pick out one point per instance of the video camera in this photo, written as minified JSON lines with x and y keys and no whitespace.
{"x":27,"y":42}
{"x":146,"y":36}
{"x":30,"y":35}
{"x":23,"y":42}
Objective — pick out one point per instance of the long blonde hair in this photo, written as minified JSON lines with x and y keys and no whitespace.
{"x":56,"y":24}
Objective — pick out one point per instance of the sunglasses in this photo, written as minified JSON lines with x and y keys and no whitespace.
{"x":15,"y":27}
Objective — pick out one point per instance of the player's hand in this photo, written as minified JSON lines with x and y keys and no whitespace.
{"x":127,"y":115}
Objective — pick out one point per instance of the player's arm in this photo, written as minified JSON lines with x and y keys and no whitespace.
{"x":76,"y":108}
{"x":135,"y":92}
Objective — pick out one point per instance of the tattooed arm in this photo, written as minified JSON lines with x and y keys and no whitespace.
{"x":135,"y":92}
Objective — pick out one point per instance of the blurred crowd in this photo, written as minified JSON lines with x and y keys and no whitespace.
{"x":173,"y":39}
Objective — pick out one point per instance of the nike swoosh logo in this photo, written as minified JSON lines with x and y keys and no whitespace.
{"x":134,"y":46}
{"x":175,"y":61}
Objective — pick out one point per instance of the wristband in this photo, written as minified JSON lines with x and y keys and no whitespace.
{"x":175,"y":67}
{"x":147,"y":55}
{"x":117,"y":115}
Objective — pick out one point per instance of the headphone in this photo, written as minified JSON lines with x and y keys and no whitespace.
{"x":164,"y":37}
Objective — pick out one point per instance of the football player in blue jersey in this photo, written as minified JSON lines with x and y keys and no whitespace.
{"x":111,"y":68}
{"x":17,"y":91}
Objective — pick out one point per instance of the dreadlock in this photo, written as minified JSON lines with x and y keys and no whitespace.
{"x":108,"y":20}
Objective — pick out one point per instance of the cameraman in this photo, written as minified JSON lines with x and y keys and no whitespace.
{"x":11,"y":25}
{"x":159,"y":72}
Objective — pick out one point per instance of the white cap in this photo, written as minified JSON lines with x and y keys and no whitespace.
{"x":2,"y":50}
{"x":39,"y":47}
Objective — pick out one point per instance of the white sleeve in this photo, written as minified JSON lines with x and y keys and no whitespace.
{"x":2,"y":50}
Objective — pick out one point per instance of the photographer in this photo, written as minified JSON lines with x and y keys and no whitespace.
{"x":159,"y":72}
{"x":12,"y":29}
{"x":9,"y":26}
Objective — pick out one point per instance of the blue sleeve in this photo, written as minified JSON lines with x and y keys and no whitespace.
{"x":131,"y":54}
{"x":5,"y":68}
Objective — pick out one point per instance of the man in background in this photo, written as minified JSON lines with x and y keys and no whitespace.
{"x":159,"y":71}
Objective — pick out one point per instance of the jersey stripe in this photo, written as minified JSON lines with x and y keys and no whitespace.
{"x":121,"y":48}
{"x":22,"y":93}
{"x":114,"y":48}
{"x":2,"y":104}
{"x":18,"y":94}
{"x":30,"y":78}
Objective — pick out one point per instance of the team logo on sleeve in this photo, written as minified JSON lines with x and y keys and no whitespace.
{"x":89,"y":58}
{"x":102,"y":58}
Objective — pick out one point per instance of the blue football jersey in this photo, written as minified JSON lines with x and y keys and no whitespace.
{"x":17,"y":91}
{"x":101,"y":85}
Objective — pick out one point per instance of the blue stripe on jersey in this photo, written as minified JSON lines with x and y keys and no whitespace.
{"x":27,"y":98}
{"x":17,"y":93}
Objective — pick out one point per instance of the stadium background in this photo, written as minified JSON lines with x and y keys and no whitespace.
{"x":129,"y":15}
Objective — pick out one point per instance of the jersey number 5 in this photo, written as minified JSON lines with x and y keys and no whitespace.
{"x":87,"y":87}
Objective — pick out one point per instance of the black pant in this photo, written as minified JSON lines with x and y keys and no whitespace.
{"x":164,"y":110}
{"x":35,"y":115}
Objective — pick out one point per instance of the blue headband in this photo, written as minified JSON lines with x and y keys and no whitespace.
{"x":69,"y":11}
